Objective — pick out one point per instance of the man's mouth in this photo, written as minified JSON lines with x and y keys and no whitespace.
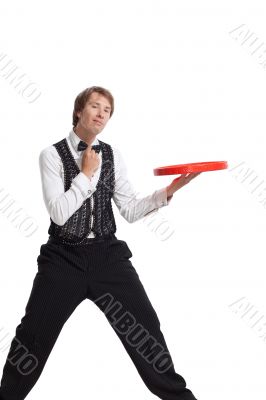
{"x":98,"y":122}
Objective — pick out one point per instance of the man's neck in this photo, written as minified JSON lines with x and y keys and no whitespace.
{"x":87,"y":137}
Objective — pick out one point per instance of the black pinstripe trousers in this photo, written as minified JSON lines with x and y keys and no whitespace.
{"x":102,"y":272}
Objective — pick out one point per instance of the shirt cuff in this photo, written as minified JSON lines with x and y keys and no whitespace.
{"x":161,"y":197}
{"x":84,"y":184}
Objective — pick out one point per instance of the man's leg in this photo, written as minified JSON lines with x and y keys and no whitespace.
{"x":117,"y":290}
{"x":58,"y":288}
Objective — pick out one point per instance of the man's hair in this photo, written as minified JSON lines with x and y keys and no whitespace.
{"x":84,"y":96}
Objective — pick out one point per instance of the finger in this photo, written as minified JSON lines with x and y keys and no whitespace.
{"x":178,"y":178}
{"x":191,"y":176}
{"x":198,"y":173}
{"x":185,"y":177}
{"x":194,"y":174}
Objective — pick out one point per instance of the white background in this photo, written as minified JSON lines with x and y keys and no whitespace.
{"x":185,"y":90}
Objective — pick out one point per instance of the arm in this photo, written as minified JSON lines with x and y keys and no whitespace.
{"x":125,"y":197}
{"x":61,"y":205}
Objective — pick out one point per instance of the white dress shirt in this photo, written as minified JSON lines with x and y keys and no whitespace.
{"x":61,"y":205}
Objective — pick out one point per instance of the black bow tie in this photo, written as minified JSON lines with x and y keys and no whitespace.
{"x":83,"y":145}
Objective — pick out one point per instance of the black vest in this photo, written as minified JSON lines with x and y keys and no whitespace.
{"x":78,"y":226}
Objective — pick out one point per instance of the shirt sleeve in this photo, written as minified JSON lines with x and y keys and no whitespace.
{"x":61,"y":205}
{"x":130,"y":206}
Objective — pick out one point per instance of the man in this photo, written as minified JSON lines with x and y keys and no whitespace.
{"x":83,"y":259}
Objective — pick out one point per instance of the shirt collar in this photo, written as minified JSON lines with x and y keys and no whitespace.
{"x":75,"y":139}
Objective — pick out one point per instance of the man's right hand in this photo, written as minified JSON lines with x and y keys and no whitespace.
{"x":90,"y":162}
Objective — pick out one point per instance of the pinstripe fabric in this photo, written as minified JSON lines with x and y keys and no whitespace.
{"x":103,"y":273}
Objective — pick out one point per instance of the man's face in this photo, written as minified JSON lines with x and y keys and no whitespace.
{"x":95,"y":114}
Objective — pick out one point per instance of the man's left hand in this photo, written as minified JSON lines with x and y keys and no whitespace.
{"x":179,"y":182}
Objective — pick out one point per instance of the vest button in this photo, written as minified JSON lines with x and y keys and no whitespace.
{"x":89,"y":191}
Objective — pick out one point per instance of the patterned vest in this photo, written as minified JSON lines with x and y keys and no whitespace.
{"x":78,"y":226}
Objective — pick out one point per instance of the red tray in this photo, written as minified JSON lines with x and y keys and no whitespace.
{"x":191,"y":167}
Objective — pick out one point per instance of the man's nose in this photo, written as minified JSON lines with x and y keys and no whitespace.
{"x":101,"y":114}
